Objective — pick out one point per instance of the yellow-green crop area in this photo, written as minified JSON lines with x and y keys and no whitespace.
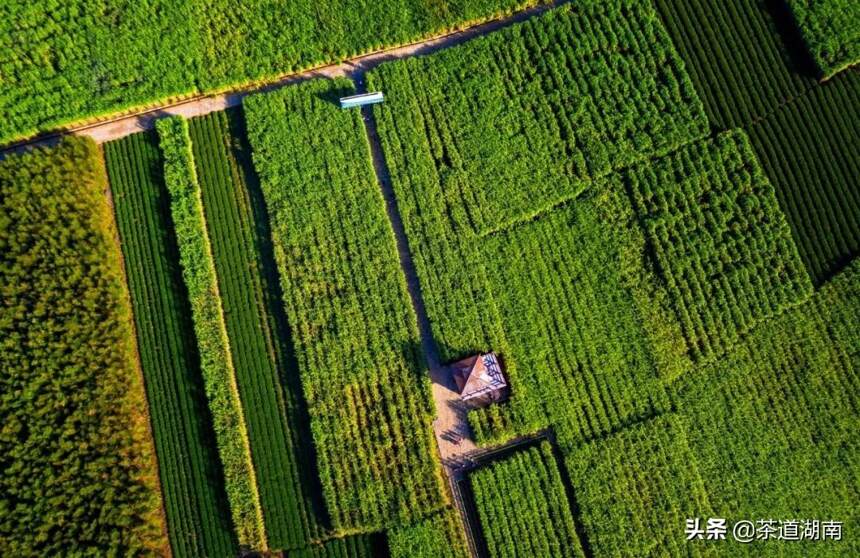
{"x":647,"y":210}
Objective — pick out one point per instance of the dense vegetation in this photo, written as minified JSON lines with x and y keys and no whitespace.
{"x":753,"y":71}
{"x":720,"y":241}
{"x":63,"y":62}
{"x":197,"y":513}
{"x":527,"y":115}
{"x":635,"y":490}
{"x":775,"y":424}
{"x":356,"y":338}
{"x":809,"y":149}
{"x":253,"y":314}
{"x":507,"y":125}
{"x":359,"y":546}
{"x":437,"y":536}
{"x":523,"y":507}
{"x":75,"y":449}
{"x":216,"y":363}
{"x":831,"y":30}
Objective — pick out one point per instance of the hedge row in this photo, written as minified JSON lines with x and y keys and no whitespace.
{"x":216,"y":363}
{"x":356,"y":338}
{"x":75,"y":449}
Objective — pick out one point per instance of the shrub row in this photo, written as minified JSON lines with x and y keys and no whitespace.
{"x":75,"y":448}
{"x":355,"y":333}
{"x":196,"y":508}
{"x":523,"y":506}
{"x":439,"y":536}
{"x":216,"y":363}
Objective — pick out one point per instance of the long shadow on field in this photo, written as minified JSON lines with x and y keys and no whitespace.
{"x":799,"y":58}
{"x":299,"y":418}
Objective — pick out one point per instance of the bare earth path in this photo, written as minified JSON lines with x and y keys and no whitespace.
{"x":130,"y":123}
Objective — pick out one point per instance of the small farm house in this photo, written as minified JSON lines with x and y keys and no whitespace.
{"x":479,"y":378}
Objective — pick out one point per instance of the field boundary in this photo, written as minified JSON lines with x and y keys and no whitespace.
{"x":125,"y":123}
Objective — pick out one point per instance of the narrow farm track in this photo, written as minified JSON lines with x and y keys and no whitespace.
{"x":124,"y":125}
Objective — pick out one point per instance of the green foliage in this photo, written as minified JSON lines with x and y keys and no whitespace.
{"x":739,"y":56}
{"x":775,"y":424}
{"x":356,"y":338}
{"x":359,"y":546}
{"x":504,"y":126}
{"x":808,"y":149}
{"x":831,"y":29}
{"x":197,"y":513}
{"x":78,"y":469}
{"x":719,"y":238}
{"x":437,"y":536}
{"x":266,"y":374}
{"x":580,"y":351}
{"x":635,"y":490}
{"x":528,"y":115}
{"x":523,"y":507}
{"x":216,"y":364}
{"x":72,"y":60}
{"x":747,"y":66}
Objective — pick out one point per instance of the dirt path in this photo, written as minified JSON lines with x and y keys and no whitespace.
{"x":129,"y":123}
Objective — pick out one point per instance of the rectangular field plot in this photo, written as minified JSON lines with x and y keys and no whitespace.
{"x":523,"y":507}
{"x":635,"y":490}
{"x":198,"y":515}
{"x":260,"y":344}
{"x":831,"y":32}
{"x":720,"y":240}
{"x":775,"y":423}
{"x":516,"y":121}
{"x":581,"y":351}
{"x":355,"y":333}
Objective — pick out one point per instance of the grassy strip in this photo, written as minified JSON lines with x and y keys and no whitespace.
{"x":356,"y":337}
{"x":216,"y":364}
{"x":78,"y":465}
{"x":198,"y":515}
{"x":523,"y":506}
{"x":266,"y":373}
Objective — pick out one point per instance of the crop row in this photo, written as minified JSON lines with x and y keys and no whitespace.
{"x":197,"y":513}
{"x":216,"y":363}
{"x":357,"y":546}
{"x":363,"y":374}
{"x":439,"y":536}
{"x":90,"y":59}
{"x":809,"y":150}
{"x":738,"y":55}
{"x":720,"y":240}
{"x":832,"y":32}
{"x":635,"y":490}
{"x":523,"y":506}
{"x":77,"y":458}
{"x":253,"y":315}
{"x":775,"y":422}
